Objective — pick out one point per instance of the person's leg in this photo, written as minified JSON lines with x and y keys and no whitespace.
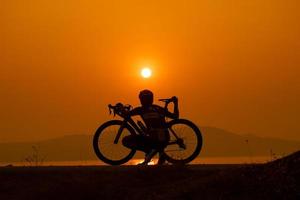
{"x":162,"y":156}
{"x":129,"y":141}
{"x":156,"y":144}
{"x":136,"y":142}
{"x":141,"y":143}
{"x":150,"y":149}
{"x":149,"y":156}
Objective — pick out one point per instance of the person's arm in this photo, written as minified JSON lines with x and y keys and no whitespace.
{"x":176,"y":109}
{"x":175,"y":114}
{"x":135,"y":111}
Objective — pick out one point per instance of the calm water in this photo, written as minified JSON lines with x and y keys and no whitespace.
{"x":206,"y":160}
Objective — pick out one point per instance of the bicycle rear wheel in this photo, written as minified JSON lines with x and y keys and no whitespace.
{"x":185,"y":141}
{"x":104,"y":146}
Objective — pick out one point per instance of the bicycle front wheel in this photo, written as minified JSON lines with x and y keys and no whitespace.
{"x":185,"y":141}
{"x":104,"y":146}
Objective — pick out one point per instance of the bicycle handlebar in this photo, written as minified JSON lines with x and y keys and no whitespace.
{"x":119,"y":109}
{"x":122,"y":110}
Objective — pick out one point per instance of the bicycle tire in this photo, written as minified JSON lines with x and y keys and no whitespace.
{"x":100,"y":154}
{"x":198,"y":137}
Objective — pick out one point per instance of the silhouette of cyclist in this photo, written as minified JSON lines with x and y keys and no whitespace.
{"x":157,"y":135}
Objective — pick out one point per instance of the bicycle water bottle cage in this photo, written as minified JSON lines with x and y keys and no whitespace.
{"x":142,"y":127}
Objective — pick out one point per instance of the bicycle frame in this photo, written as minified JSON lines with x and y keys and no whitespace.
{"x":129,"y":121}
{"x":137,"y":129}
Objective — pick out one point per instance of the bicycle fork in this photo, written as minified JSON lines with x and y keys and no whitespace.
{"x":120,"y":132}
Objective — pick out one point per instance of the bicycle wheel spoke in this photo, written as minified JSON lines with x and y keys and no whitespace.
{"x":184,"y":147}
{"x":109,"y":151}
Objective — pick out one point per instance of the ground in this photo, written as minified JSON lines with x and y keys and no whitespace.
{"x":275,"y":180}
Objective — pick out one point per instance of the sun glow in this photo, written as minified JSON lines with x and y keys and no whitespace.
{"x":146,"y":72}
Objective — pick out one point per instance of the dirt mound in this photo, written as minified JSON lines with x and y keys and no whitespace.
{"x":290,"y":162}
{"x":283,"y":175}
{"x":279,"y":179}
{"x":288,"y":167}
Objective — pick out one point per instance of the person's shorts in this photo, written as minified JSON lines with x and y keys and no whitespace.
{"x":154,"y":140}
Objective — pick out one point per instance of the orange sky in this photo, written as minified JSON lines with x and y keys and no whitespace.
{"x":233,"y":64}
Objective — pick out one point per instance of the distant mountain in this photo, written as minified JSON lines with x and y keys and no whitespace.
{"x":67,"y":148}
{"x":216,"y":142}
{"x":219,"y":142}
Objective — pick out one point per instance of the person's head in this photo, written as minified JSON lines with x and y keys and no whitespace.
{"x":146,"y":97}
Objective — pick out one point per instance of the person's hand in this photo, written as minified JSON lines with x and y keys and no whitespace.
{"x":174,"y":99}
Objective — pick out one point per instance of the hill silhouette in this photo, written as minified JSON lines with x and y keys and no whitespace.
{"x":219,"y":142}
{"x":216,"y":142}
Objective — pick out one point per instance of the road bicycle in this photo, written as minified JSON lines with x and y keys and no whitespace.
{"x":184,"y":145}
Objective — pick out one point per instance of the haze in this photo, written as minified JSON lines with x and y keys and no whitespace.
{"x":233,"y":64}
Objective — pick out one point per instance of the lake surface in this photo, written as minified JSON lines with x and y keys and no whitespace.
{"x":204,"y":160}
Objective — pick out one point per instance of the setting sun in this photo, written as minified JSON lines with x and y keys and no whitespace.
{"x":146,"y":72}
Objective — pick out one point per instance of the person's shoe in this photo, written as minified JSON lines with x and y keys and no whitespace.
{"x":148,"y":157}
{"x":162,"y":159}
{"x":143,"y":163}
